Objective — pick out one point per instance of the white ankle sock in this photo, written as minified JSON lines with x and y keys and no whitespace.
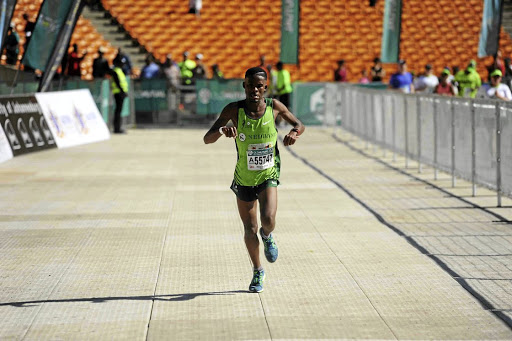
{"x":263,"y":235}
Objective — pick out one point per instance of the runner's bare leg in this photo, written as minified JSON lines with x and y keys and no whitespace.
{"x":268,"y":209}
{"x":249,"y":214}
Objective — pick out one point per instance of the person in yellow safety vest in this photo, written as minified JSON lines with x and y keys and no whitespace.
{"x":186,"y":67}
{"x":119,"y":86}
{"x":469,"y":81}
{"x":284,"y":85}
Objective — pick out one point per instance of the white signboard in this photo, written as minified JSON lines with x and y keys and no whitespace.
{"x":5,"y":147}
{"x":73,"y":117}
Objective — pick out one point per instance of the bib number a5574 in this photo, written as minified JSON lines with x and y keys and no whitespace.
{"x":260,"y":156}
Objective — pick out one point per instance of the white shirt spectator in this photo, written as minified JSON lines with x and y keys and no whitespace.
{"x":196,"y":4}
{"x":426,"y":83}
{"x":501,"y":89}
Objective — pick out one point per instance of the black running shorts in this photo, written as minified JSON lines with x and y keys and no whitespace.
{"x":248,"y":193}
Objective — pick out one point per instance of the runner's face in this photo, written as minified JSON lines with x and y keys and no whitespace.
{"x":255,"y":87}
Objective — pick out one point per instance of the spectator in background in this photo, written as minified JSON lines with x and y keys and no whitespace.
{"x":364,"y":77}
{"x":496,"y":89}
{"x":444,"y":87}
{"x":199,"y":72}
{"x":216,"y":73}
{"x":340,"y":74}
{"x":468,"y":81}
{"x":507,"y":76}
{"x":497,"y":64}
{"x":377,"y":71}
{"x":74,"y":60}
{"x":126,"y":64}
{"x":451,"y":77}
{"x":94,"y":5}
{"x":402,"y":79}
{"x":11,"y":46}
{"x":186,"y":68}
{"x":100,"y":65}
{"x":272,"y":81}
{"x":426,"y":82}
{"x":284,"y":85}
{"x":264,"y":66}
{"x":195,"y":6}
{"x":119,"y":86}
{"x":29,"y":28}
{"x":172,"y":72}
{"x":151,"y":70}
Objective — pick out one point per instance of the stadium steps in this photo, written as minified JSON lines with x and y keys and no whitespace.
{"x":112,"y":34}
{"x":506,"y":20}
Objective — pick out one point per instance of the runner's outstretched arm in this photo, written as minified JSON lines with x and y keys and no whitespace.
{"x":298,"y":127}
{"x":228,"y":114}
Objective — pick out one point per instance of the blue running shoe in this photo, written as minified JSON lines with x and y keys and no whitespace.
{"x":270,"y":247}
{"x":257,"y":281}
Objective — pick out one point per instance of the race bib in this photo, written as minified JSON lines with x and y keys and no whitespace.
{"x":260,"y":156}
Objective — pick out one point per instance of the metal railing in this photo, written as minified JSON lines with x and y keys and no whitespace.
{"x":468,"y":138}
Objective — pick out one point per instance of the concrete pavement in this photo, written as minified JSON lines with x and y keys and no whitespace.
{"x":139,"y":238}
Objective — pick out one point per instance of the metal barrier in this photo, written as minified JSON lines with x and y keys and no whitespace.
{"x":469,"y":138}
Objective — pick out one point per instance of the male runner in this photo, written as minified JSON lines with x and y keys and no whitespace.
{"x":257,"y":169}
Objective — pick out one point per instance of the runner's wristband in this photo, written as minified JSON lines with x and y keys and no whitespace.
{"x":221,"y":131}
{"x":295,"y":130}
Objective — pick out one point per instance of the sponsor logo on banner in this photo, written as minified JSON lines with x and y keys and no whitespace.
{"x":73,"y":117}
{"x":5,"y":148}
{"x":24,"y":125}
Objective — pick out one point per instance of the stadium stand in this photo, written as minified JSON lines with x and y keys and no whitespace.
{"x":222,"y":34}
{"x":439,"y":32}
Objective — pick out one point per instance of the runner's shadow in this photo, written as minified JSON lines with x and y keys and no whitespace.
{"x":165,"y":298}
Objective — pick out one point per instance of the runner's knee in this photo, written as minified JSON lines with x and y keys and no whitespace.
{"x":268,"y":220}
{"x":251,"y":230}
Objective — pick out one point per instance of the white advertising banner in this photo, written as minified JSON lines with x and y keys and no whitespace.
{"x":5,"y":147}
{"x":73,"y":117}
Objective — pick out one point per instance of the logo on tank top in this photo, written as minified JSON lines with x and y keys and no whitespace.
{"x":241,"y":137}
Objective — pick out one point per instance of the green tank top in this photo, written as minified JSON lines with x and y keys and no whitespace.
{"x":256,"y":144}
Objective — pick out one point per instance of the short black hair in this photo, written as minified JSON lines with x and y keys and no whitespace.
{"x":255,"y":71}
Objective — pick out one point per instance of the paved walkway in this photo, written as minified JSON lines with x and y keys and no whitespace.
{"x":139,"y":238}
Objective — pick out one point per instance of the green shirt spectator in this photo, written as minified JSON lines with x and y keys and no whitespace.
{"x":284,"y":85}
{"x":469,"y":80}
{"x":186,"y":67}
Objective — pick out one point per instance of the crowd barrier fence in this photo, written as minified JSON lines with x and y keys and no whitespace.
{"x":468,"y":138}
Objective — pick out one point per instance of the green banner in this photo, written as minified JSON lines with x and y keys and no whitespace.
{"x":390,"y":47}
{"x":6,"y":11}
{"x":308,"y":102}
{"x":490,"y":32}
{"x":61,"y":47}
{"x":289,"y":31}
{"x":51,"y":18}
{"x":150,"y":96}
{"x":213,"y":95}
